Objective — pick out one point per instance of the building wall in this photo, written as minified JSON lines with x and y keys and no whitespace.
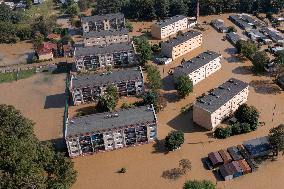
{"x":182,"y":48}
{"x":171,"y":29}
{"x":45,"y":56}
{"x":103,"y":25}
{"x":113,"y":139}
{"x":211,"y":120}
{"x":205,"y":71}
{"x":105,"y":40}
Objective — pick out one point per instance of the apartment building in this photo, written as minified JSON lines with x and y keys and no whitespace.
{"x":170,"y":26}
{"x":106,"y":37}
{"x":111,"y":130}
{"x":181,"y":44}
{"x":200,"y":67}
{"x":117,"y":54}
{"x":103,"y":22}
{"x":88,"y":88}
{"x":210,"y":110}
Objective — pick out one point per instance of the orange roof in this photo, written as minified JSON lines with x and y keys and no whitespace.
{"x":53,"y":36}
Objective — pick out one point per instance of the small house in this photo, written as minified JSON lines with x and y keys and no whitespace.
{"x":215,"y":158}
{"x":225,"y":156}
{"x":53,"y":36}
{"x":235,"y":168}
{"x":258,"y":147}
{"x":244,"y":166}
{"x":226,"y":173}
{"x":235,"y":153}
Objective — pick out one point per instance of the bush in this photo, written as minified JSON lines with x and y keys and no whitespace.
{"x":204,"y":184}
{"x":129,"y":26}
{"x":232,"y":29}
{"x":155,"y":98}
{"x":236,"y":129}
{"x":259,"y":60}
{"x":247,"y":114}
{"x":153,"y":77}
{"x":245,"y":127}
{"x":223,"y":132}
{"x":122,"y":170}
{"x":174,"y":140}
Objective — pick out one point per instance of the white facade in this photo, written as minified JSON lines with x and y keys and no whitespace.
{"x":205,"y":71}
{"x":159,"y":31}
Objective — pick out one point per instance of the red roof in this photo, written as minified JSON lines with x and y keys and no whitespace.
{"x":49,"y":45}
{"x":53,"y":36}
{"x":43,"y":51}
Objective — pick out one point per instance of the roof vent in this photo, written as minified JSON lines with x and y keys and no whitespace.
{"x":229,"y":89}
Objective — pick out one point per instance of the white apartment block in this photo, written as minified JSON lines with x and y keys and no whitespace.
{"x":200,"y":67}
{"x":168,"y":27}
{"x":210,"y":110}
{"x":182,"y":44}
{"x":106,"y":37}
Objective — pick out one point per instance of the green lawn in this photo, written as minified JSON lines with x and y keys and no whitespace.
{"x":8,"y":77}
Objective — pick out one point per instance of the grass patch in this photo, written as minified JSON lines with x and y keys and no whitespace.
{"x":8,"y":77}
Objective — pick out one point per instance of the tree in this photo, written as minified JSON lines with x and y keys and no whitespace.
{"x":140,"y":9}
{"x":223,"y":132}
{"x":38,"y":40}
{"x":178,"y":7}
{"x":248,"y":114}
{"x":232,"y":29}
{"x":153,"y":77}
{"x":183,"y":85}
{"x":112,"y":91}
{"x":174,"y":140}
{"x":106,"y":103}
{"x":246,"y":48}
{"x":155,"y":98}
{"x":44,"y":25}
{"x":280,"y":58}
{"x":108,"y":6}
{"x":162,"y":8}
{"x":72,"y":10}
{"x":129,"y":26}
{"x":204,"y":184}
{"x":83,"y":5}
{"x":276,"y":139}
{"x":143,"y":48}
{"x":29,"y":4}
{"x":5,"y":12}
{"x":25,"y":162}
{"x":259,"y":60}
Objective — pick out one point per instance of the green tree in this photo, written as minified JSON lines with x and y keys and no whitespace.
{"x":29,"y":4}
{"x":178,"y":7}
{"x":106,"y":103}
{"x":139,"y":9}
{"x":203,"y":184}
{"x":112,"y":91}
{"x":259,"y":60}
{"x":276,"y":139}
{"x":129,"y":26}
{"x":155,"y":98}
{"x":246,"y":48}
{"x":280,"y":58}
{"x":153,"y":77}
{"x":174,"y":140}
{"x":108,"y":6}
{"x":25,"y":162}
{"x":183,"y":85}
{"x":5,"y":13}
{"x":223,"y":132}
{"x":143,"y":48}
{"x":248,"y":114}
{"x":83,"y":5}
{"x":38,"y":40}
{"x":72,"y":10}
{"x":162,"y":8}
{"x":232,"y":29}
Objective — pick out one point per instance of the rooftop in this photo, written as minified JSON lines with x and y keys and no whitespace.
{"x":181,"y":38}
{"x":96,"y":18}
{"x":110,"y":120}
{"x":170,"y":20}
{"x":258,"y":147}
{"x":219,"y":96}
{"x":103,"y":33}
{"x":101,"y":79}
{"x":196,"y":63}
{"x":117,"y":47}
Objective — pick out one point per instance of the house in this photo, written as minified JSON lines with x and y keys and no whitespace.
{"x":244,"y":166}
{"x":87,"y":88}
{"x":215,"y":159}
{"x":219,"y":25}
{"x":225,"y":156}
{"x":106,"y":37}
{"x":233,"y":38}
{"x":275,"y":35}
{"x":210,"y":110}
{"x":53,"y":36}
{"x":235,"y":153}
{"x":257,"y":36}
{"x":226,"y":172}
{"x":200,"y":67}
{"x":103,"y":22}
{"x":235,"y":168}
{"x":47,"y":51}
{"x":170,"y":26}
{"x":117,"y":54}
{"x":237,"y":19}
{"x":181,"y":44}
{"x":110,"y":130}
{"x":258,"y":147}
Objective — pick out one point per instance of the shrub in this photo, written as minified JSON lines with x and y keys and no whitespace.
{"x":174,"y":140}
{"x":183,"y":85}
{"x":232,"y":29}
{"x":153,"y":77}
{"x":223,"y":132}
{"x":236,"y":129}
{"x":259,"y":60}
{"x":247,"y":114}
{"x":204,"y":184}
{"x":122,"y":170}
